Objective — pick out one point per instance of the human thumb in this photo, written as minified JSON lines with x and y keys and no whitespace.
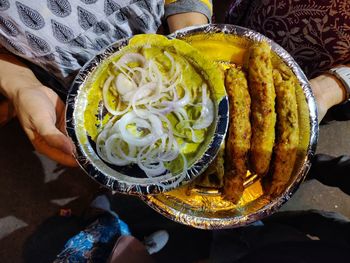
{"x":54,"y":137}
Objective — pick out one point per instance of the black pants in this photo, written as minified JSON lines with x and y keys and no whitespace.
{"x":291,"y":236}
{"x":339,"y":112}
{"x":332,"y":171}
{"x":327,"y":169}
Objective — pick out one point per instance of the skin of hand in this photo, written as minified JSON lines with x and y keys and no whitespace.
{"x":328,"y":92}
{"x":39,"y":110}
{"x":179,"y":21}
{"x":327,"y":89}
{"x":42,"y":115}
{"x":7,"y":111}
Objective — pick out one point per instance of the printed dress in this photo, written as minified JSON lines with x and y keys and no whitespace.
{"x":60,"y":36}
{"x":315,"y":33}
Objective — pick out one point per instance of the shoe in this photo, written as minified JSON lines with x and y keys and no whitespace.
{"x":100,"y":205}
{"x":339,"y":112}
{"x":156,"y":241}
{"x":101,"y":202}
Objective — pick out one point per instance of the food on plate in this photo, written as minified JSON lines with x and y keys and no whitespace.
{"x":287,"y":139}
{"x":213,"y":176}
{"x":251,"y":145}
{"x":238,"y":136}
{"x":203,"y":203}
{"x":263,"y":96}
{"x":160,"y":107}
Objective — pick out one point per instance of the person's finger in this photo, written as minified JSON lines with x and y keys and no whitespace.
{"x":53,"y":153}
{"x":54,"y":137}
{"x":48,"y":140}
{"x":52,"y":142}
{"x":59,"y":141}
{"x":61,"y":125}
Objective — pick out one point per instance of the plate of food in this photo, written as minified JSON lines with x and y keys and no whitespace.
{"x":148,"y":114}
{"x":272,"y":133}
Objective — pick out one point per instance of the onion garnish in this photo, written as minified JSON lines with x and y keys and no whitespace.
{"x":207,"y":112}
{"x":131,"y":57}
{"x":141,"y":94}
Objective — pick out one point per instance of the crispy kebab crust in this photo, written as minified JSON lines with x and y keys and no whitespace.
{"x":287,"y":140}
{"x":239,"y":134}
{"x":263,"y":96}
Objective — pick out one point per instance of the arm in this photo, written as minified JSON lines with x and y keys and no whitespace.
{"x":183,"y":20}
{"x":39,"y":110}
{"x":184,"y":13}
{"x":331,"y":171}
{"x":328,"y":91}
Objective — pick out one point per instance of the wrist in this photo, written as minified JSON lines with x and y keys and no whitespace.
{"x":14,"y":76}
{"x":342,"y":74}
{"x":182,"y":20}
{"x":328,"y":90}
{"x":12,"y":92}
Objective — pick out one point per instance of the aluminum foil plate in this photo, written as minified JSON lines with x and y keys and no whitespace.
{"x":131,"y":179}
{"x":204,"y":207}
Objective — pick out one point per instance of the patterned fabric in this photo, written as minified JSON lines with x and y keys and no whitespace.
{"x":315,"y":33}
{"x":96,"y":242}
{"x":181,"y":6}
{"x":59,"y":36}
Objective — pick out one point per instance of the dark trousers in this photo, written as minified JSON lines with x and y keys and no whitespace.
{"x":332,"y":171}
{"x":292,"y":236}
{"x":339,"y":112}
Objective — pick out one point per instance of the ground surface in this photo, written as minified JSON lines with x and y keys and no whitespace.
{"x":34,"y":189}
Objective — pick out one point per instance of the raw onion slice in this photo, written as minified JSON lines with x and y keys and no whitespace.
{"x":207,"y":112}
{"x":105,"y":89}
{"x":132,"y":139}
{"x":139,"y":131}
{"x":130,"y":57}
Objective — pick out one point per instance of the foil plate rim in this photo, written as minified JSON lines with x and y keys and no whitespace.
{"x":275,"y":204}
{"x":88,"y":159}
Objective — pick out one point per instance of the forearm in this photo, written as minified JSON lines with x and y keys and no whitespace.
{"x":182,"y":20}
{"x":332,"y":171}
{"x":14,"y":75}
{"x":328,"y":91}
{"x":184,"y":13}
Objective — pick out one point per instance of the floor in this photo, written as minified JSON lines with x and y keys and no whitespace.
{"x":35,"y":190}
{"x":334,"y":139}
